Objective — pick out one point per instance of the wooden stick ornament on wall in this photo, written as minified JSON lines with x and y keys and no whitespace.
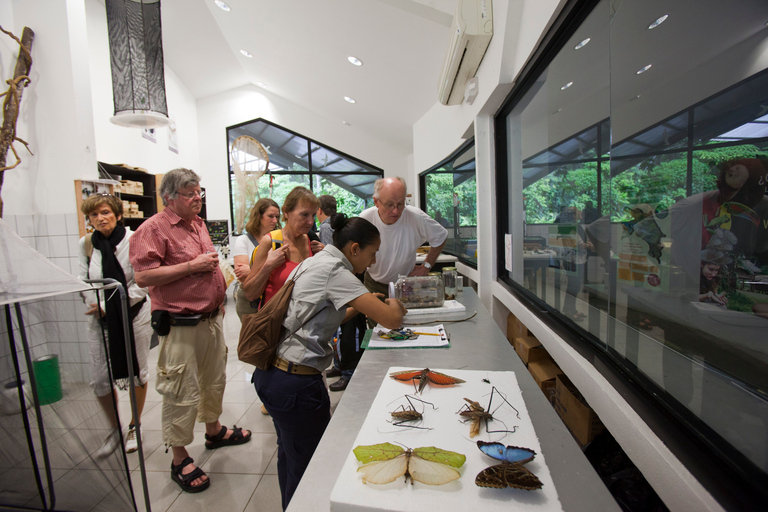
{"x":12,"y":103}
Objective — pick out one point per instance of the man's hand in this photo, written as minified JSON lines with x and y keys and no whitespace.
{"x":419,"y":270}
{"x":204,"y":263}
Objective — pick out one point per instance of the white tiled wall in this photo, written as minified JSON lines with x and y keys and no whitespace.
{"x":55,"y":325}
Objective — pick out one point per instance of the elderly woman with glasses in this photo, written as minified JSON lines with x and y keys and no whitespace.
{"x":104,"y":255}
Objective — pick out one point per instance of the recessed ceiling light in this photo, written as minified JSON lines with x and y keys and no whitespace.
{"x":350,"y":100}
{"x":658,"y":22}
{"x":262,"y":85}
{"x":582,"y":44}
{"x":355,"y":60}
{"x":566,"y":86}
{"x":345,"y":123}
{"x":643,"y":69}
{"x":221,"y":5}
{"x":246,"y":53}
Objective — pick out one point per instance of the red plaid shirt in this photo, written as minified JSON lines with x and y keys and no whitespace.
{"x":167,"y":239}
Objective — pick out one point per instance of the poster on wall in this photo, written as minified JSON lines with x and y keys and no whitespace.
{"x":643,"y":253}
{"x":173,"y":141}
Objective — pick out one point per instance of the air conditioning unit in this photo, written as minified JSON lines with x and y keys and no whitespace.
{"x":471,"y":33}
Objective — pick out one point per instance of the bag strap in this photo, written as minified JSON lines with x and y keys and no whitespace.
{"x":252,"y":239}
{"x":295,"y":277}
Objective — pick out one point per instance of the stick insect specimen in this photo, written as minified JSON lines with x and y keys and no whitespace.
{"x":404,"y":414}
{"x":424,"y":376}
{"x":474,"y":412}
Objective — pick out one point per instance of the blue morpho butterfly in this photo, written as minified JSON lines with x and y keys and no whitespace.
{"x":511,"y":472}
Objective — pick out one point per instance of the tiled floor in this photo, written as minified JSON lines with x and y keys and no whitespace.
{"x":243,"y":478}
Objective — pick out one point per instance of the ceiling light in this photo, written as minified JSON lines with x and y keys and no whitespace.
{"x":246,"y":53}
{"x":582,"y":44}
{"x":355,"y":61}
{"x":658,"y":22}
{"x":566,"y":86}
{"x":221,"y":5}
{"x":262,"y":85}
{"x":345,"y":123}
{"x":350,"y":100}
{"x":644,"y":69}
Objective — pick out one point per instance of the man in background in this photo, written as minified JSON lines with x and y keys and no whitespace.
{"x":327,"y":208}
{"x":403,"y":229}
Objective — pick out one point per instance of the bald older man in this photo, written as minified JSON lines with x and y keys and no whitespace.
{"x":403,"y":229}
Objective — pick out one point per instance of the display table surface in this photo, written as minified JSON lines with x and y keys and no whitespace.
{"x":477,"y":344}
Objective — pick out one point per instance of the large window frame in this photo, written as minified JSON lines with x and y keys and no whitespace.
{"x":734,"y":480}
{"x":462,"y":238}
{"x":309,"y":166}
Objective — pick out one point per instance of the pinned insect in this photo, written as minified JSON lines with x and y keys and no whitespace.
{"x":474,"y":412}
{"x":404,"y":414}
{"x":384,"y":463}
{"x":424,"y":376}
{"x":511,"y":472}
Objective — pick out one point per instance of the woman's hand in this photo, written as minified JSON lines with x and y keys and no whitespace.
{"x":317,"y":246}
{"x":278,"y":256}
{"x":396,"y":304}
{"x":94,"y":310}
{"x":241,"y":271}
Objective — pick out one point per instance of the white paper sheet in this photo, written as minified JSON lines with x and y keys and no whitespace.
{"x":448,"y":433}
{"x":433,"y":337}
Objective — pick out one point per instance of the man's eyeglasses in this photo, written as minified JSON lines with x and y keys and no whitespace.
{"x":391,"y":206}
{"x":190,"y":195}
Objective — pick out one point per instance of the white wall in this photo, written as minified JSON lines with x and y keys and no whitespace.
{"x":116,"y":144}
{"x":66,"y":108}
{"x":217,"y":112}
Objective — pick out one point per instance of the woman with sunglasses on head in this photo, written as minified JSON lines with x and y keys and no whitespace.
{"x":326,"y":293}
{"x":104,"y":255}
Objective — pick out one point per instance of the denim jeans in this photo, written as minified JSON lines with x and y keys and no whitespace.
{"x":300,"y":409}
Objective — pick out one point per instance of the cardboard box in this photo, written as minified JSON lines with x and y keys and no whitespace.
{"x":511,"y":328}
{"x":545,"y":372}
{"x":530,"y":349}
{"x":577,"y":415}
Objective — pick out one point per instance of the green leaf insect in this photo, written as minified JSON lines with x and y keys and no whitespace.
{"x":384,"y":463}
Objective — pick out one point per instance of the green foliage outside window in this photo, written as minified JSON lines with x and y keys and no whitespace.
{"x":659,"y":181}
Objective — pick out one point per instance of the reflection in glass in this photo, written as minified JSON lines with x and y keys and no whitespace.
{"x":451,"y":198}
{"x":644,"y":217}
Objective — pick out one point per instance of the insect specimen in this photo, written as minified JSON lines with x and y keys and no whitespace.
{"x":511,"y":472}
{"x":386,"y":462}
{"x":405,"y":414}
{"x":474,"y":413}
{"x":424,"y":376}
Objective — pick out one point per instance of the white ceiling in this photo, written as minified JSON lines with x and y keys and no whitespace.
{"x":300,"y":50}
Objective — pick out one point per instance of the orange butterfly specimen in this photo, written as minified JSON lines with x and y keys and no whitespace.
{"x":424,"y":376}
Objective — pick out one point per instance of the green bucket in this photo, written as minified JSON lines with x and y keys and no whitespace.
{"x":48,"y":379}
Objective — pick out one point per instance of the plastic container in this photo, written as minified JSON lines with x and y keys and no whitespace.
{"x":449,"y":282}
{"x":48,"y":379}
{"x":418,"y":291}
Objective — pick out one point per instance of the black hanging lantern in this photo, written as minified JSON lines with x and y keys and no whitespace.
{"x":136,"y":54}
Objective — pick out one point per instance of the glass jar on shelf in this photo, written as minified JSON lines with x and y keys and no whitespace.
{"x":449,"y":282}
